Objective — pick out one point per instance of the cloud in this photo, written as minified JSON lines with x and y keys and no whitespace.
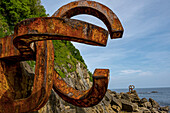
{"x":135,"y":72}
{"x":130,"y":71}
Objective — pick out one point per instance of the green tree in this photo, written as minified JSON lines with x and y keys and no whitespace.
{"x":14,"y":11}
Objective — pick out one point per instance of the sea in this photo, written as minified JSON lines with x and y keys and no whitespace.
{"x":160,"y":95}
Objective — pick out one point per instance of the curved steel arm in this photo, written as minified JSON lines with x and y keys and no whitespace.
{"x":80,"y":98}
{"x":43,"y":81}
{"x":96,"y":9}
{"x":86,"y":98}
{"x":53,"y":28}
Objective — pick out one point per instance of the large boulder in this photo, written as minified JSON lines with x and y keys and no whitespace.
{"x":128,"y":106}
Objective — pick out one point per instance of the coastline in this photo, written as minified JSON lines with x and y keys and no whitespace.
{"x":130,"y":102}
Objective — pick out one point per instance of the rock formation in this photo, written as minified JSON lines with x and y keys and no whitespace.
{"x":112,"y":102}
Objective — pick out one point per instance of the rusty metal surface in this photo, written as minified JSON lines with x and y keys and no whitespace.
{"x":7,"y":49}
{"x":96,"y":9}
{"x":131,"y":88}
{"x":43,"y":82}
{"x":87,"y":98}
{"x":53,"y":28}
{"x":27,"y":43}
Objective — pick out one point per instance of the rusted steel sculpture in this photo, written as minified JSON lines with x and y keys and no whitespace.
{"x":32,"y":41}
{"x":131,"y":88}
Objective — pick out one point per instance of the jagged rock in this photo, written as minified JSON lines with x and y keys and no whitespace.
{"x":146,"y":104}
{"x":125,"y":96}
{"x":118,"y":96}
{"x":107,"y":99}
{"x":134,"y":97}
{"x":166,"y":108}
{"x":128,"y":106}
{"x":116,"y":102}
{"x":154,"y":103}
{"x":143,"y":100}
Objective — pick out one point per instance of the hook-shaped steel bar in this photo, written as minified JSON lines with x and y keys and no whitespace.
{"x":96,"y":9}
{"x":86,"y":98}
{"x":115,"y":28}
{"x":54,"y":28}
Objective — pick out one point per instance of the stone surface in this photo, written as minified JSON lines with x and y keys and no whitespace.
{"x":153,"y":110}
{"x":166,"y":108}
{"x":146,"y":104}
{"x":154,"y":103}
{"x":116,"y":102}
{"x":143,"y":100}
{"x":144,"y":110}
{"x":128,"y":106}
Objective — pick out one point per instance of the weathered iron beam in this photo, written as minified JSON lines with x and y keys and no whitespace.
{"x":115,"y":28}
{"x":96,"y":9}
{"x":54,"y":28}
{"x":86,"y":98}
{"x":43,"y":82}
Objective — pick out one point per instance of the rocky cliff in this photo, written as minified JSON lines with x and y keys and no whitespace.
{"x":112,"y":102}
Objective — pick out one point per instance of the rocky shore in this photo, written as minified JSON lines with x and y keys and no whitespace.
{"x":112,"y":102}
{"x":130,"y":102}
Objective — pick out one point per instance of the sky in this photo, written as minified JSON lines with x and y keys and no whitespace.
{"x":142,"y":56}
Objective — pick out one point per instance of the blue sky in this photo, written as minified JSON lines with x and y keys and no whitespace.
{"x":142,"y":56}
